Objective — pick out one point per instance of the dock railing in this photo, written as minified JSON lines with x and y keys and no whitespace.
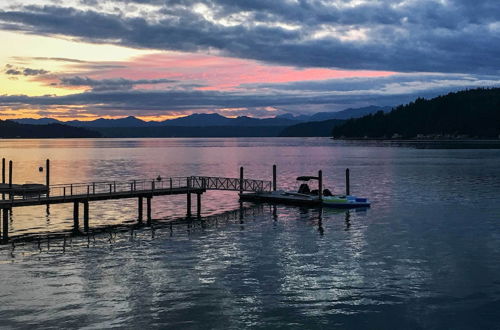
{"x":220,"y":183}
{"x":94,"y":188}
{"x":131,"y":186}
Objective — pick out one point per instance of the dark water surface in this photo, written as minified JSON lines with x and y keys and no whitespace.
{"x":426,"y":255}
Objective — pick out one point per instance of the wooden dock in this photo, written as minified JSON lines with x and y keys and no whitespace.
{"x":82,"y":194}
{"x":15,"y":195}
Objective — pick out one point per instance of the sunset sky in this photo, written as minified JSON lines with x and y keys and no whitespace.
{"x":157,"y":59}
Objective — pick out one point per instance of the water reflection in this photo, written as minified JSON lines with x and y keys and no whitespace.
{"x":412,"y":261}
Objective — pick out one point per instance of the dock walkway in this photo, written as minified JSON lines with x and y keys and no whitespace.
{"x":82,"y":193}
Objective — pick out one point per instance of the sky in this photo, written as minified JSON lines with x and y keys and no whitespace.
{"x":160,"y":59}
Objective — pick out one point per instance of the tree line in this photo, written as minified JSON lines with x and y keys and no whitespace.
{"x":466,"y":114}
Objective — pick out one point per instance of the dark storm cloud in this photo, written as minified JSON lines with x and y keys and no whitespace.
{"x":389,"y":84}
{"x":394,"y":35}
{"x":110,"y":84}
{"x":14,"y":71}
{"x":34,"y":72}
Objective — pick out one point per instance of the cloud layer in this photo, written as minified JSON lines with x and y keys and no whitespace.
{"x":17,"y":71}
{"x":391,"y":35}
{"x":257,"y":57}
{"x":110,"y":84}
{"x":265,"y":100}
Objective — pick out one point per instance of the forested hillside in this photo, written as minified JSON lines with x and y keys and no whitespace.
{"x":466,"y":114}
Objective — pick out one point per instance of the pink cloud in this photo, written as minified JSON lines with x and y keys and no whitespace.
{"x":219,"y":73}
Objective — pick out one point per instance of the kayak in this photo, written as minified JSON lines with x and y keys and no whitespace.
{"x":345,"y":201}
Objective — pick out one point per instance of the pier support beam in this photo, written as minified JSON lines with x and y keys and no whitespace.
{"x":47,"y":183}
{"x":86,"y":216}
{"x":10,"y":173}
{"x":3,"y":175}
{"x":5,"y":225}
{"x":47,"y":173}
{"x":241,"y":180}
{"x":76,"y":216}
{"x":188,"y":214}
{"x":274,"y":177}
{"x":140,"y":204}
{"x":320,"y":185}
{"x":198,"y":205}
{"x":240,"y":213}
{"x":347,"y":182}
{"x":148,"y":210}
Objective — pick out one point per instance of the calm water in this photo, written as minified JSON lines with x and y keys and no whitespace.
{"x":425,"y":256}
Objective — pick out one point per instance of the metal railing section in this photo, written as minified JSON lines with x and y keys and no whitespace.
{"x":110,"y":187}
{"x":220,"y":183}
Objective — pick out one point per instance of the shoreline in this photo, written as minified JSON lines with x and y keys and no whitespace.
{"x":417,"y":140}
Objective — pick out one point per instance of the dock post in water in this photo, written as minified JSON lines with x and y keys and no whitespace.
{"x":47,"y":183}
{"x":188,"y":198}
{"x":86,"y":216}
{"x":320,"y":185}
{"x":347,"y":182}
{"x":188,"y":205}
{"x":3,"y":175}
{"x":198,"y":205}
{"x":76,"y":216}
{"x":140,"y":204}
{"x":274,"y":177}
{"x":241,"y":180}
{"x":10,"y":174}
{"x":47,"y":174}
{"x":148,"y":210}
{"x":5,"y":225}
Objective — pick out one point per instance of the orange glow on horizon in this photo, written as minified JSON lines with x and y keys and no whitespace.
{"x":19,"y":114}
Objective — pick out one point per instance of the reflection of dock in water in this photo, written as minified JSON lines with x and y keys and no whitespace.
{"x":170,"y":225}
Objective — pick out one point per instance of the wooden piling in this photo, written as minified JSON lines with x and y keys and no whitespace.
{"x":320,"y":185}
{"x":140,"y":204}
{"x":347,"y":182}
{"x":241,"y":180}
{"x":47,"y":184}
{"x":188,"y":205}
{"x":198,"y":205}
{"x":86,"y":216}
{"x":47,"y":174}
{"x":76,"y":216}
{"x":148,"y":210}
{"x":274,"y":177}
{"x":5,"y":225}
{"x":3,"y":175}
{"x":10,"y":173}
{"x":240,"y":213}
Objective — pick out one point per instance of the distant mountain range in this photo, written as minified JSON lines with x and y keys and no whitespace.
{"x":344,"y":114}
{"x":466,"y":114}
{"x":209,"y":120}
{"x":195,"y":125}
